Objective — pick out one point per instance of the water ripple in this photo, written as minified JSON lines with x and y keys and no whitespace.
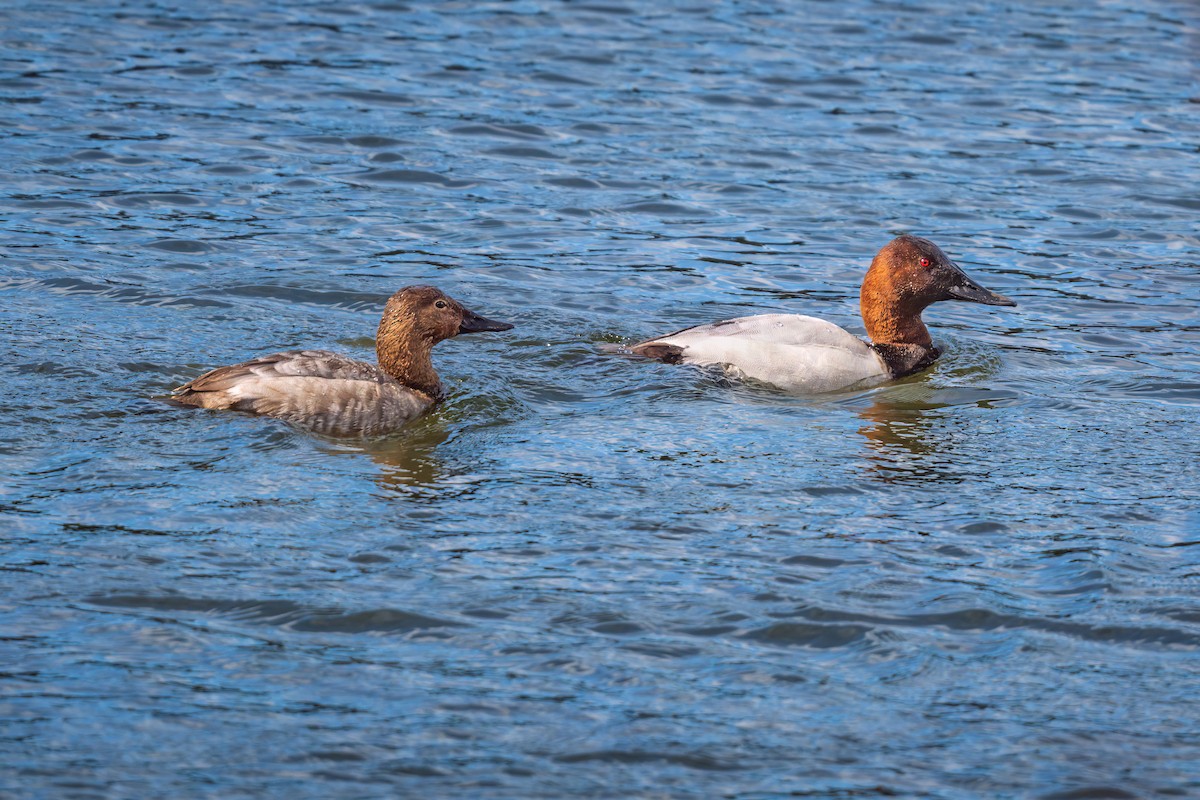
{"x":584,"y":574}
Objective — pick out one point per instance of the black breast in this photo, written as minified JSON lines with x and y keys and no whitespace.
{"x":905,"y":359}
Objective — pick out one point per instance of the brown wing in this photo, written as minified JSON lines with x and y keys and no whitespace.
{"x":292,"y":364}
{"x":315,"y":389}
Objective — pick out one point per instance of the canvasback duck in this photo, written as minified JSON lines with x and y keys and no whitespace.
{"x":330,"y":394}
{"x":805,"y":355}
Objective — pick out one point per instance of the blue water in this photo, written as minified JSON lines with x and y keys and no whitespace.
{"x":585,"y":574}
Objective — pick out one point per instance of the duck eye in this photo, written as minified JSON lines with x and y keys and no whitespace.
{"x":442,"y":303}
{"x":924,"y":261}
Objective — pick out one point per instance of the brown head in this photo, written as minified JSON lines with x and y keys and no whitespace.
{"x":414,"y":320}
{"x":905,"y":277}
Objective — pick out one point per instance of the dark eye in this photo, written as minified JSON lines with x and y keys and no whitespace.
{"x":924,"y":261}
{"x":442,"y":303}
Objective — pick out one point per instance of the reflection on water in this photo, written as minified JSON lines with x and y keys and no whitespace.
{"x":407,"y":460}
{"x":913,"y":426}
{"x":905,"y":443}
{"x":912,"y":437}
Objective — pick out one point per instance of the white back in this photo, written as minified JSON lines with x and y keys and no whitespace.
{"x":796,"y":353}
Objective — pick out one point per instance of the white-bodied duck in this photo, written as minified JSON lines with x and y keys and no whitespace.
{"x":333,"y":395}
{"x":806,"y":355}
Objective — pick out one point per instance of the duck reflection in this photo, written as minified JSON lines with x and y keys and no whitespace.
{"x":908,"y":436}
{"x":408,"y":460}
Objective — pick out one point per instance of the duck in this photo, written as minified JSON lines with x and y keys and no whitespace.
{"x":333,"y":395}
{"x":806,"y":355}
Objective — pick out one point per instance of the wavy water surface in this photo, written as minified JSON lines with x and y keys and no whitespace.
{"x":586,"y":574}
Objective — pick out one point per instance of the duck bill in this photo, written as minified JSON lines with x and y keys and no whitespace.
{"x":473,"y":323}
{"x":970,"y":291}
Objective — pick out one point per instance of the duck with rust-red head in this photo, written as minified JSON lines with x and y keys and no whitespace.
{"x":806,"y":355}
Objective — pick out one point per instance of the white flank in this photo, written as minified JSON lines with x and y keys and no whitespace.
{"x":798,"y":354}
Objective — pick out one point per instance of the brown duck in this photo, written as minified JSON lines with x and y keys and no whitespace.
{"x":330,"y":394}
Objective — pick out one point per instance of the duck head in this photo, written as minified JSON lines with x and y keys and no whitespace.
{"x":425,"y":314}
{"x":414,"y":320}
{"x":905,"y":277}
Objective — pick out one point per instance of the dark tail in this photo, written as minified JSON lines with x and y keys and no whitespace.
{"x":667,"y":353}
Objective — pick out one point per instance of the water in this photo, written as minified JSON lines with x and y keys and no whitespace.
{"x":587,"y":575}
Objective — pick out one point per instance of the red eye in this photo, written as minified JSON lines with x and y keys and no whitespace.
{"x":924,"y":261}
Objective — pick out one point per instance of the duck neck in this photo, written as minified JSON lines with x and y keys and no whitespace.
{"x":889,"y":317}
{"x":406,"y":355}
{"x":894,"y":324}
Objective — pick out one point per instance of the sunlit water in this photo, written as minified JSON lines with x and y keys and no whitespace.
{"x":586,"y":574}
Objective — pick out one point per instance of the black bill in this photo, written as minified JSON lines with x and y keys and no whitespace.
{"x":966,"y":289}
{"x":473,"y":323}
